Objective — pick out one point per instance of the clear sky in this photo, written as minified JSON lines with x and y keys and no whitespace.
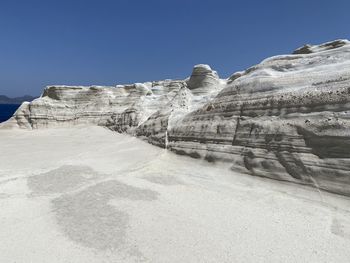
{"x":108,"y":42}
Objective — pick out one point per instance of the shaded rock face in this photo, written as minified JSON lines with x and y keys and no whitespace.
{"x":66,"y":105}
{"x":287,"y":118}
{"x":142,"y":109}
{"x":202,"y":78}
{"x":156,"y":127}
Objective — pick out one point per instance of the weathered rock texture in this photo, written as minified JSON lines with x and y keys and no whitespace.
{"x":286,"y":118}
{"x":142,"y":109}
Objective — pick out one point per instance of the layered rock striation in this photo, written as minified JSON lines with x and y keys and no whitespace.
{"x":142,"y":109}
{"x":287,"y":118}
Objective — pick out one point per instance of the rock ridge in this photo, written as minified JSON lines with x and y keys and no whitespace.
{"x":286,"y":118}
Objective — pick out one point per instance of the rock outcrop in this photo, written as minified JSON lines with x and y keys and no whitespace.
{"x":287,"y":118}
{"x":203,"y":78}
{"x":142,"y":109}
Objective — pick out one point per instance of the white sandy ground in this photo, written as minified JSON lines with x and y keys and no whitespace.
{"x":92,"y":195}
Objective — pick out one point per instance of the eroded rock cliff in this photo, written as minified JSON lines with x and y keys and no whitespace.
{"x":286,"y":118}
{"x":142,"y":109}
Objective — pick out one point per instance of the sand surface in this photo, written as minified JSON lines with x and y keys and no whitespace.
{"x":87,"y":194}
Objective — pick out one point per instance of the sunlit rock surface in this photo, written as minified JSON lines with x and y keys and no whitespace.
{"x":122,"y":108}
{"x":286,"y":118}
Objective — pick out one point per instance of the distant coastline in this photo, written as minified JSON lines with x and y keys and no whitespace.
{"x":17,"y":100}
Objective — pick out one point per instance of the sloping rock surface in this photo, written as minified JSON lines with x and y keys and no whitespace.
{"x":286,"y":118}
{"x":142,"y":109}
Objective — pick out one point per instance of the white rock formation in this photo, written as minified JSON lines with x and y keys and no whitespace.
{"x":203,"y":78}
{"x":122,"y":108}
{"x":286,"y":118}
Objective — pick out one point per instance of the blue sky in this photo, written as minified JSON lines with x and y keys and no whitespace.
{"x":109,"y":42}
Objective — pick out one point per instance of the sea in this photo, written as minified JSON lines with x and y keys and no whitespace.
{"x":7,"y":110}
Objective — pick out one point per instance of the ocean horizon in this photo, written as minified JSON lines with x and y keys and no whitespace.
{"x":7,"y":110}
